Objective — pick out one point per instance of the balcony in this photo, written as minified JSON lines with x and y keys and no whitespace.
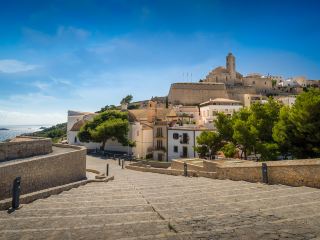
{"x":160,"y":149}
{"x":159,"y":135}
{"x":184,"y":140}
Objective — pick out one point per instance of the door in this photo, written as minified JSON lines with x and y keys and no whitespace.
{"x":185,"y":152}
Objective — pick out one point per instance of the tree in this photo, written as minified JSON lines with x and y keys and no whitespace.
{"x":224,"y":126}
{"x":298,"y":130}
{"x":229,"y":150}
{"x":208,"y":143}
{"x":274,"y":83}
{"x":107,"y":107}
{"x":107,"y":125}
{"x":282,"y":132}
{"x":113,"y":128}
{"x":127,"y":99}
{"x":245,"y":136}
{"x":263,"y":117}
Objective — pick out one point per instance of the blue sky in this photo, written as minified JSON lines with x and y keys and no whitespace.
{"x":81,"y":55}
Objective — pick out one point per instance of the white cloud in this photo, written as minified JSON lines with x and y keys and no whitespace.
{"x":79,"y":33}
{"x":41,"y":85}
{"x":14,"y":118}
{"x":15,"y":66}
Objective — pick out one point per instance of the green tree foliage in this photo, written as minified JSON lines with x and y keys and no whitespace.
{"x":107,"y":107}
{"x":298,"y":130}
{"x":56,"y":132}
{"x":127,"y":99}
{"x":282,"y":132}
{"x":229,"y":150}
{"x":224,"y":124}
{"x":110,"y":124}
{"x":209,"y":143}
{"x":245,"y":136}
{"x":263,"y":117}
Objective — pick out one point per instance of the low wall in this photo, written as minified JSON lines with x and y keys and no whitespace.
{"x":179,"y":164}
{"x":304,"y":172}
{"x":160,"y":170}
{"x":154,"y":164}
{"x":44,"y":171}
{"x":292,"y":172}
{"x":23,"y":147}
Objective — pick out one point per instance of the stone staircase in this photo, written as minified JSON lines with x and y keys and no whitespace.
{"x":139,"y":205}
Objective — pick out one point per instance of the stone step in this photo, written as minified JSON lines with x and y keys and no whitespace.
{"x":69,"y":211}
{"x":176,"y":203}
{"x":73,"y":221}
{"x":280,"y":209}
{"x":131,"y":230}
{"x":41,"y":204}
{"x":209,"y":192}
{"x":214,"y":222}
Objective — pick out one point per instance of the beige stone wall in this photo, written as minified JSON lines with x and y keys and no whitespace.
{"x":44,"y":171}
{"x":24,"y":147}
{"x":195,"y":93}
{"x":260,"y":84}
{"x":291,"y":172}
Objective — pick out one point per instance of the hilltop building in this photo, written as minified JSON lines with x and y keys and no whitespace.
{"x":210,"y":109}
{"x":222,"y":82}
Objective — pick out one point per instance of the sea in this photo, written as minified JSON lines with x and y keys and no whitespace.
{"x":17,"y":130}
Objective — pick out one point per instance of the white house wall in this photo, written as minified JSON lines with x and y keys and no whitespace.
{"x":176,"y":142}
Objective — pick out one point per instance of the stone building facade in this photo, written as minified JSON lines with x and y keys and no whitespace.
{"x":222,"y":82}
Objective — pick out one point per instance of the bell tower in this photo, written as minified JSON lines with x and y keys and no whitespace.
{"x":231,"y":66}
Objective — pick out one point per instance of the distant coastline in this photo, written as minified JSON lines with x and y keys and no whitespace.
{"x":8,"y":132}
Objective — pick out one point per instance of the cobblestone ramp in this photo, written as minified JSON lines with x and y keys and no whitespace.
{"x":140,"y":205}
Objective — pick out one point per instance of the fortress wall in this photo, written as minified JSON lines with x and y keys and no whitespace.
{"x":24,"y":147}
{"x":45,"y":171}
{"x":195,"y":93}
{"x":236,"y":93}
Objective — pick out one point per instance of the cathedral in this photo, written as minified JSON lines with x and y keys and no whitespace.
{"x":228,"y":75}
{"x":221,"y":82}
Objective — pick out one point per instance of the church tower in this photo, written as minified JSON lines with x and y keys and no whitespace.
{"x":231,"y":66}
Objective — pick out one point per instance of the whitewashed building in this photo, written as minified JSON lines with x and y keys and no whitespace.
{"x":288,"y":100}
{"x":77,"y":119}
{"x":182,"y":140}
{"x":210,"y":109}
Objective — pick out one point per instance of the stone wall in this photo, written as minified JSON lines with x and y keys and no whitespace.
{"x":292,"y":172}
{"x":195,"y":93}
{"x":44,"y":171}
{"x":23,"y":147}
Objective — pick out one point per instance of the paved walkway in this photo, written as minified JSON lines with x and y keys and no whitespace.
{"x":140,"y":205}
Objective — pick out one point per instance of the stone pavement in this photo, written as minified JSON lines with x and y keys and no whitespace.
{"x":139,"y":205}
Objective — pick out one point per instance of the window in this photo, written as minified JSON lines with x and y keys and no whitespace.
{"x":185,"y":138}
{"x":175,"y":136}
{"x":159,"y":132}
{"x":175,"y":149}
{"x":253,"y":82}
{"x":159,"y":144}
{"x":75,"y":139}
{"x":138,"y":133}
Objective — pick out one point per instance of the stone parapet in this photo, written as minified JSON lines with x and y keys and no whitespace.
{"x":22,"y":147}
{"x":44,"y":171}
